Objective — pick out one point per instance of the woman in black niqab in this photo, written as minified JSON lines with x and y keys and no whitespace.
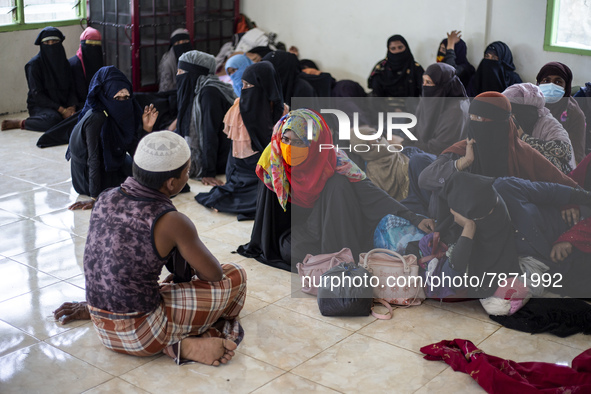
{"x":51,"y":95}
{"x":398,"y":75}
{"x":260,"y":107}
{"x":288,"y":67}
{"x":496,"y":72}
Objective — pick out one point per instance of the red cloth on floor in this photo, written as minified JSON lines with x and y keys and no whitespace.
{"x":497,"y":375}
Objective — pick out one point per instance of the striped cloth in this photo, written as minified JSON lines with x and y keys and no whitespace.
{"x":187,"y":309}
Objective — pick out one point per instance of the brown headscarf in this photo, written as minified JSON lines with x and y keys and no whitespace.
{"x":560,"y":69}
{"x":490,"y":154}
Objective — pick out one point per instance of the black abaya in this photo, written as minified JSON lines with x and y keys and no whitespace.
{"x":269,"y":241}
{"x":239,"y":194}
{"x":165,"y":103}
{"x":50,"y":83}
{"x":559,"y":316}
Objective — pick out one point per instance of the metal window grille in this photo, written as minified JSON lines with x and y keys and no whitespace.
{"x":136,"y":33}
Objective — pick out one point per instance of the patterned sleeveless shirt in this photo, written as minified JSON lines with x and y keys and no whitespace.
{"x":121,"y":263}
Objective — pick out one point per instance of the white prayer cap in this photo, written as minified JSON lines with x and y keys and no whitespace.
{"x":162,"y":151}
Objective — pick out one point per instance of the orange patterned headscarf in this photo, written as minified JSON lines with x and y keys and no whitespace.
{"x":303,"y":184}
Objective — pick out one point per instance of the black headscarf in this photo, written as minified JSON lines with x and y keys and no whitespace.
{"x":495,"y":75}
{"x":307,"y":63}
{"x":261,"y":51}
{"x":402,"y":60}
{"x":348,"y":88}
{"x":491,"y":150}
{"x":526,"y":116}
{"x":474,"y":197}
{"x":123,"y":117}
{"x":57,"y":75}
{"x":461,"y":51}
{"x":257,"y":115}
{"x":447,"y":84}
{"x":439,"y":106}
{"x":287,"y":66}
{"x":396,"y":73}
{"x":185,"y":84}
{"x":180,"y":48}
{"x":92,"y":56}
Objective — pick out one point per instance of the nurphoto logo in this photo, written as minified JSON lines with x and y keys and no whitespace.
{"x":344,"y":132}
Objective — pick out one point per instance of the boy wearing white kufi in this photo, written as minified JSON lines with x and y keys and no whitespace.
{"x":135,"y":231}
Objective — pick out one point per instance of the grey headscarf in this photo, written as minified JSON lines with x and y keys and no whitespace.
{"x":195,"y":137}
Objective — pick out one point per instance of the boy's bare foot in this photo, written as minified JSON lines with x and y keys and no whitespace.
{"x":10,"y":124}
{"x":209,"y":351}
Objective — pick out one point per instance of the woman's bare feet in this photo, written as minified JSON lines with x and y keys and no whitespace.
{"x":211,"y":181}
{"x":85,"y":204}
{"x":10,"y":124}
{"x":209,"y":351}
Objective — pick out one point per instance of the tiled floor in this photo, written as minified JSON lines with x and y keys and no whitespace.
{"x":288,"y":346}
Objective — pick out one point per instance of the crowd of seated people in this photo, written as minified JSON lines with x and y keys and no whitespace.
{"x":489,"y":153}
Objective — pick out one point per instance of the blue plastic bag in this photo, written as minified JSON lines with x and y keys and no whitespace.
{"x":394,"y":233}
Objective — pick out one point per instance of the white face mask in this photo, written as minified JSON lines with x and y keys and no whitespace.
{"x":552,"y":92}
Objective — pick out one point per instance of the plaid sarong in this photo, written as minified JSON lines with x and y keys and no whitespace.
{"x":187,"y":309}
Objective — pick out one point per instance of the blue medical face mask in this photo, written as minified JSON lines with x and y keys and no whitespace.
{"x":552,"y":92}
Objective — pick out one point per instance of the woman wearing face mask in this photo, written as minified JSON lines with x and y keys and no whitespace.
{"x":554,"y":80}
{"x":492,"y":148}
{"x":453,"y":51}
{"x":103,"y":141}
{"x":398,"y":75}
{"x":180,"y":42}
{"x":203,"y":100}
{"x":235,"y":67}
{"x":249,"y":124}
{"x":313,"y":199}
{"x":537,"y":126}
{"x":496,"y":72}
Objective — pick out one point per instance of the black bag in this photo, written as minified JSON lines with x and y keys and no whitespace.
{"x":345,"y":291}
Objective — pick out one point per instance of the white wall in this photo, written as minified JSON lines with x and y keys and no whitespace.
{"x":16,"y":49}
{"x":347,"y":37}
{"x":523,"y":30}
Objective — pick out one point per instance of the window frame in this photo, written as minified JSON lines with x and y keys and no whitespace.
{"x":551,"y":32}
{"x":20,"y":24}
